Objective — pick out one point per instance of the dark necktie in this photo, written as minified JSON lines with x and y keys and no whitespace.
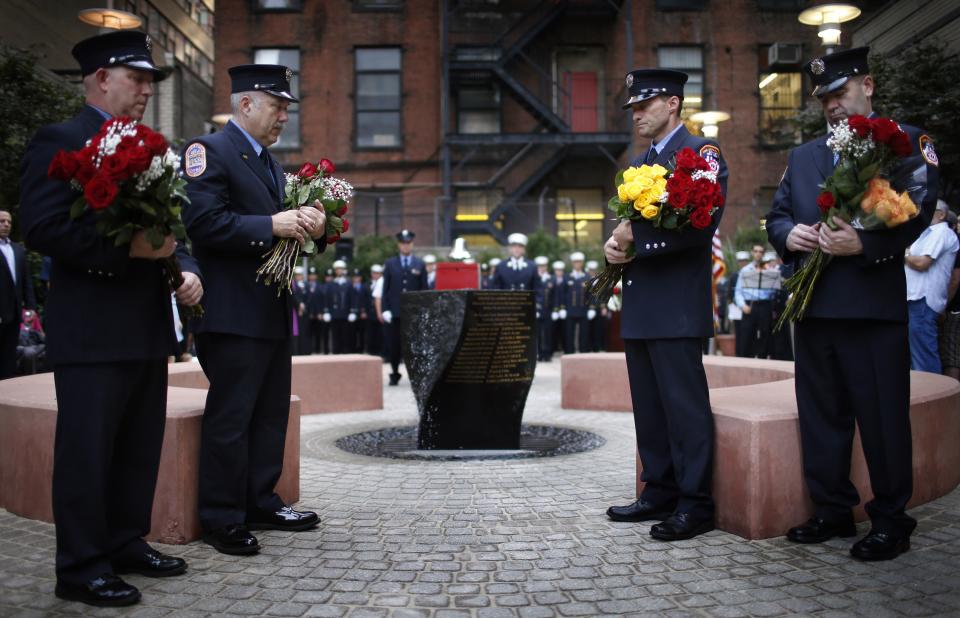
{"x":405,"y":262}
{"x":265,"y":159}
{"x":651,"y":156}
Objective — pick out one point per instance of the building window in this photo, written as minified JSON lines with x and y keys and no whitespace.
{"x":681,"y":5}
{"x":690,"y":61}
{"x":478,"y":109}
{"x":378,"y":5}
{"x":290,"y":58}
{"x":475,"y":205}
{"x":580,"y":216}
{"x":781,"y":5}
{"x":279,"y":5}
{"x":781,"y":95}
{"x":378,"y":97}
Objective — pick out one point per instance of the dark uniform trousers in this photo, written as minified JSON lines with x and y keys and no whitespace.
{"x":676,"y":448}
{"x":244,"y":426}
{"x":105,"y":461}
{"x":756,"y":328}
{"x":839,"y":365}
{"x":576,"y":335}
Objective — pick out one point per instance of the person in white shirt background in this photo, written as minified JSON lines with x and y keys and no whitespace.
{"x":928,"y":264}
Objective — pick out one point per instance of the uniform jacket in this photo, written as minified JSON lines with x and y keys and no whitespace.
{"x":506,"y":278}
{"x":339,"y":298}
{"x":228,"y":219}
{"x":557,"y":295}
{"x":576,"y":300}
{"x":103,"y":305}
{"x":871,"y":285}
{"x":397,"y":280}
{"x":667,"y":286}
{"x":15,"y":296}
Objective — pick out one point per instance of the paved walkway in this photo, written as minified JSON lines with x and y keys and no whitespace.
{"x":503,"y":538}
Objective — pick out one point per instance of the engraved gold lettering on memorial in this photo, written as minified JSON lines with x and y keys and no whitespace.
{"x":495,"y":342}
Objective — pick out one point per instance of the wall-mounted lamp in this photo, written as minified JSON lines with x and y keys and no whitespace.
{"x":827,"y":18}
{"x":709,"y":121}
{"x":109,"y":18}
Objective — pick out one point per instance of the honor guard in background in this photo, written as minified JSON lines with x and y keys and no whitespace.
{"x":111,"y":390}
{"x":302,"y":340}
{"x":317,"y":305}
{"x":667,"y":312}
{"x":580,"y":311}
{"x":374,"y":326}
{"x":598,"y":324}
{"x":339,"y":308}
{"x":544,"y":318}
{"x":516,"y":273}
{"x":404,"y":272}
{"x":359,"y":299}
{"x":851,"y":349}
{"x":235,"y":215}
{"x":16,"y":294}
{"x":558,"y":308}
{"x":430,"y":263}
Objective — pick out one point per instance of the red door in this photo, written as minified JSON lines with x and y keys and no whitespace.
{"x":582,"y":87}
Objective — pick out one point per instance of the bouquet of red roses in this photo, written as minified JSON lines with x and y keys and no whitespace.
{"x":130,"y":179}
{"x":870,"y":155}
{"x":687,"y":194}
{"x":310,"y":183}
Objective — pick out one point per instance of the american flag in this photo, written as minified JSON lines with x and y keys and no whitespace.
{"x":719,"y":270}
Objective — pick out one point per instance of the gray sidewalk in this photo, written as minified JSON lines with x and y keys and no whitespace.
{"x":502,"y":538}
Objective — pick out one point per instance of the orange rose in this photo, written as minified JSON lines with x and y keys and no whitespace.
{"x":878,"y":190}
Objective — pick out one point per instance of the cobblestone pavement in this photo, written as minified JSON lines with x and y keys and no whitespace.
{"x":522,"y":538}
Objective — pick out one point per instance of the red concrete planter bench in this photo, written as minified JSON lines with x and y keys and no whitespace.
{"x":758,"y":479}
{"x":355,"y":379}
{"x":28,"y":415}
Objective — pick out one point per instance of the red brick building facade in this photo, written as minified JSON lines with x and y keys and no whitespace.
{"x":481,"y":118}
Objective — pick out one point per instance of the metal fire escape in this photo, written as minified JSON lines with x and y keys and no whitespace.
{"x":518,"y":162}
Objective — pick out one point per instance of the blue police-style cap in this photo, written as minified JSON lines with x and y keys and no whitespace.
{"x":130,"y":48}
{"x":270,"y":78}
{"x":833,"y":70}
{"x":644,"y":84}
{"x":405,"y":236}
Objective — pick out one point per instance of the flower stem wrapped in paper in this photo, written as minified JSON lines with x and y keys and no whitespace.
{"x":872,"y":188}
{"x":311,"y":183}
{"x":130,"y":180}
{"x":686,"y":195}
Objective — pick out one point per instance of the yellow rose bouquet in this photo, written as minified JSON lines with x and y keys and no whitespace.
{"x":688,"y":195}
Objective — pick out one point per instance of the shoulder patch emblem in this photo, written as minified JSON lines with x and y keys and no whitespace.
{"x":195,"y":160}
{"x":712,"y":154}
{"x":926,"y":149}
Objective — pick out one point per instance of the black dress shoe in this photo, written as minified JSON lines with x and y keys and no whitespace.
{"x":284,"y":519}
{"x":680,"y":526}
{"x":149,"y":563}
{"x":817,"y":530}
{"x":641,"y":510}
{"x":108,"y":590}
{"x":235,"y":540}
{"x":395,"y":379}
{"x":880,"y":546}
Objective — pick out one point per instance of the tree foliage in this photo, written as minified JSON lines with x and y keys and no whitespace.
{"x":919,"y":86}
{"x":29,"y":99}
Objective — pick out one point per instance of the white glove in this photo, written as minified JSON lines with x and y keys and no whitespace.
{"x":327,"y":317}
{"x":554,"y":316}
{"x":591,"y":313}
{"x":388,"y":316}
{"x":352,"y":317}
{"x":563,"y":314}
{"x":538,"y":315}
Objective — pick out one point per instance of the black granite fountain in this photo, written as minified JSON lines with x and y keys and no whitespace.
{"x":471,"y":356}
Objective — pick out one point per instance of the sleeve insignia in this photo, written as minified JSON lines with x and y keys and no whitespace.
{"x":195,"y":160}
{"x":712,"y":154}
{"x":926,"y":149}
